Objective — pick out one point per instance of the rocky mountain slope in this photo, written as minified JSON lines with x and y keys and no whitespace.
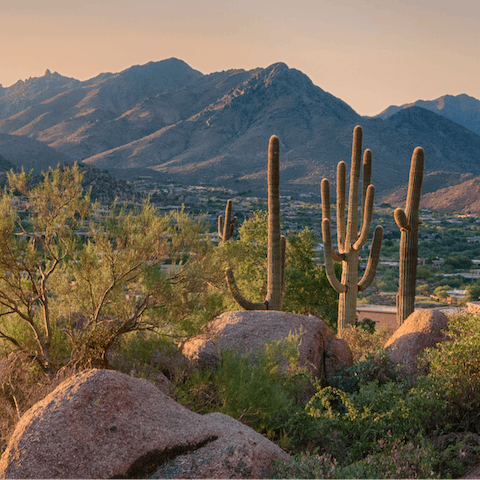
{"x":461,"y":198}
{"x":461,"y":109}
{"x":171,"y":121}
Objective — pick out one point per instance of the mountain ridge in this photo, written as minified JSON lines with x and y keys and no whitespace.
{"x":181,"y":125}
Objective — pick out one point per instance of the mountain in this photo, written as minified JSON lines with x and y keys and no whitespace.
{"x":168,"y":120}
{"x":461,"y":109}
{"x":461,"y":198}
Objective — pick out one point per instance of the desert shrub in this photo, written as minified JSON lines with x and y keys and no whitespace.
{"x":454,"y":369}
{"x":261,"y":388}
{"x":395,"y":460}
{"x":22,"y":384}
{"x":374,"y":367}
{"x":265,"y":389}
{"x":352,"y":424}
{"x":362,"y":340}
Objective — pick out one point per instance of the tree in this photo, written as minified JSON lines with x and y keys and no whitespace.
{"x":134,"y":272}
{"x":307,"y":290}
{"x":65,"y":300}
{"x":33,"y":246}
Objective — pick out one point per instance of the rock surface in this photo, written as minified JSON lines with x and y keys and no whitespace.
{"x":102,"y":423}
{"x":244,"y":331}
{"x":422,"y":329}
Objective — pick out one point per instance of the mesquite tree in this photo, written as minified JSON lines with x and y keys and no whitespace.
{"x":276,"y":242}
{"x":409,"y":222}
{"x":350,"y":241}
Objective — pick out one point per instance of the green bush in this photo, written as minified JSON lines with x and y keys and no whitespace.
{"x":261,"y":388}
{"x":395,"y":460}
{"x":354,"y":423}
{"x":454,"y":370}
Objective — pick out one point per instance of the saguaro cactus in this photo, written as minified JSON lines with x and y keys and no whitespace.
{"x":276,"y":242}
{"x":225,"y":229}
{"x":350,"y":241}
{"x":409,"y":222}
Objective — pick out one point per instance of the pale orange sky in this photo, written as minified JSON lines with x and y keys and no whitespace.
{"x":369,"y":53}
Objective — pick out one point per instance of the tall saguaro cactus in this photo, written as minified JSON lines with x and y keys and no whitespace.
{"x":409,"y":222}
{"x":276,"y":242}
{"x":225,"y":228}
{"x":350,"y":241}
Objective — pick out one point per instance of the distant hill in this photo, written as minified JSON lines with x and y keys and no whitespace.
{"x":171,"y":121}
{"x":461,"y":109}
{"x":461,"y":198}
{"x":431,"y":183}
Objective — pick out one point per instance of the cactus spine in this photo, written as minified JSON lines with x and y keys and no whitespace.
{"x":409,"y":222}
{"x":276,"y":242}
{"x":225,"y":230}
{"x":350,"y":241}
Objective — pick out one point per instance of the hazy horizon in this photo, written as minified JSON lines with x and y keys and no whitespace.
{"x":369,"y":53}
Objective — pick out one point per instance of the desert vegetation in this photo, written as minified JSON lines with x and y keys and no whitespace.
{"x":123,"y":287}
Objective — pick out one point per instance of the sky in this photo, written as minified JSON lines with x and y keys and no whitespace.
{"x":369,"y":53}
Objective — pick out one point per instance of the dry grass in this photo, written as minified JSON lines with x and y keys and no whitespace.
{"x":22,"y":384}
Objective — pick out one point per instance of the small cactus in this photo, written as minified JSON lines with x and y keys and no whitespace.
{"x":225,"y":229}
{"x":350,"y":241}
{"x":276,"y":242}
{"x":409,"y":221}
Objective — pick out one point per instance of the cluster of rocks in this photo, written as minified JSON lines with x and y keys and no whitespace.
{"x":104,"y":424}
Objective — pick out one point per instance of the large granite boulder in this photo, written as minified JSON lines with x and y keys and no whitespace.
{"x":320,"y":350}
{"x":422,"y":329}
{"x":102,"y":423}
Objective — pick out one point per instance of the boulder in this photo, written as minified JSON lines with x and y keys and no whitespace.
{"x":320,"y":350}
{"x":422,"y":329}
{"x":102,"y":423}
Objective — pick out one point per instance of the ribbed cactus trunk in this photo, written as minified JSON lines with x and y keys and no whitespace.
{"x":347,"y":300}
{"x":275,"y":269}
{"x":350,"y":241}
{"x":276,"y":242}
{"x":226,"y":228}
{"x":409,"y":222}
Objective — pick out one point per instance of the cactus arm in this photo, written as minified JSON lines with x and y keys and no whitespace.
{"x":367,"y":218}
{"x":238,"y":297}
{"x":401,"y":219}
{"x":367,"y":177}
{"x":325,"y":193}
{"x":351,"y":233}
{"x":415,"y":183}
{"x":328,"y":254}
{"x":341,"y":181}
{"x":225,"y":229}
{"x":373,"y":260}
{"x":220,"y":226}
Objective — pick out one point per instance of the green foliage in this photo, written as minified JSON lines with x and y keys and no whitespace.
{"x":356,"y":422}
{"x":259,"y":387}
{"x":33,"y":247}
{"x":307,"y":290}
{"x":72,"y":283}
{"x":473,"y":291}
{"x":459,"y":262}
{"x":455,"y":371}
{"x":364,"y":342}
{"x":396,"y":459}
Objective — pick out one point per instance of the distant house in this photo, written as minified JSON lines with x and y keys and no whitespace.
{"x":438,"y":262}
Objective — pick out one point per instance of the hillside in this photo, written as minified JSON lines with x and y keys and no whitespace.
{"x":462,"y":109}
{"x":171,"y":121}
{"x":461,"y":198}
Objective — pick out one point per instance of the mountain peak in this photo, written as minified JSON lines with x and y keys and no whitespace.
{"x":461,"y":109}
